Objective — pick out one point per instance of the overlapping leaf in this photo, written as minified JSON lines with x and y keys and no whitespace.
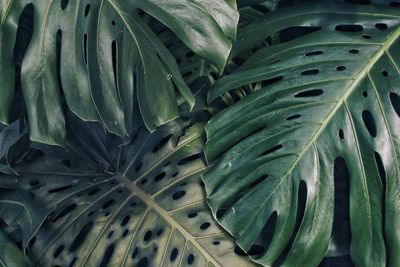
{"x":105,"y":61}
{"x":325,"y":120}
{"x":149,"y":210}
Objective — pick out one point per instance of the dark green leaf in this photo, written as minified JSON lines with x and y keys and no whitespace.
{"x":151,"y":210}
{"x":105,"y":61}
{"x":10,"y":254}
{"x":326,"y":114}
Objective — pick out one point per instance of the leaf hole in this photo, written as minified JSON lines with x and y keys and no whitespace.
{"x":125,"y":220}
{"x":64,"y":4}
{"x":64,"y":212}
{"x":314,"y":53}
{"x":114,"y":51}
{"x":110,"y":234}
{"x":85,"y":48}
{"x":349,"y":28}
{"x":381,"y":26}
{"x":293,"y":117}
{"x":341,"y":134}
{"x":80,"y":238}
{"x":178,"y":195}
{"x":364,"y":93}
{"x":310,"y":72}
{"x":395,"y":100}
{"x":173,"y":255}
{"x":310,"y":93}
{"x":107,"y":255}
{"x":366,"y":36}
{"x":135,"y":252}
{"x":59,"y":189}
{"x":87,"y":10}
{"x":190,"y":259}
{"x":381,"y":168}
{"x":369,"y":122}
{"x":58,"y":251}
{"x":385,"y":73}
{"x":147,"y":236}
{"x":159,"y":177}
{"x":192,"y":215}
{"x":354,"y":51}
{"x":340,"y":68}
{"x":205,"y":225}
{"x":125,"y":233}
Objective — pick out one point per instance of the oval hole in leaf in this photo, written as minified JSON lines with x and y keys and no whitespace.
{"x":80,"y":238}
{"x":369,"y":122}
{"x":395,"y":100}
{"x":314,"y":53}
{"x":349,"y":28}
{"x":381,"y":168}
{"x":310,"y":93}
{"x":310,"y":72}
{"x":107,"y":255}
{"x":173,"y":255}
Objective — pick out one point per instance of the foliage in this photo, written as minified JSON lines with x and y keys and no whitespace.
{"x":171,"y":133}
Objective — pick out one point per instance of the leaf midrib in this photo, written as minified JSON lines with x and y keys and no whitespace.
{"x":358,"y":79}
{"x":167,"y":217}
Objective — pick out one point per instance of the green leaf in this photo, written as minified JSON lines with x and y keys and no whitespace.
{"x":149,"y":211}
{"x":325,"y":119}
{"x":13,"y":145}
{"x":10,"y":254}
{"x":207,"y":27}
{"x":104,"y":60}
{"x":22,"y":209}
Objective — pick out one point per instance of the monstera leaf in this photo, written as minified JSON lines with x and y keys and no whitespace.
{"x":104,"y":60}
{"x":145,"y":208}
{"x":317,"y":143}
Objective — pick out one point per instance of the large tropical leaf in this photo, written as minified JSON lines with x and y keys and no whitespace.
{"x":104,"y":59}
{"x":146,"y":207}
{"x":317,"y":143}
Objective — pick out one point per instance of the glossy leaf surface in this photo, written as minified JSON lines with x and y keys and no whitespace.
{"x":326,"y":118}
{"x":149,"y":210}
{"x":104,"y":60}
